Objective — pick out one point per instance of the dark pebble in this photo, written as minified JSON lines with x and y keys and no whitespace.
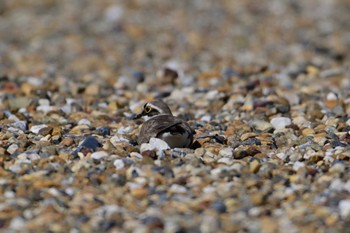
{"x":338,"y":143}
{"x":91,"y":143}
{"x":104,"y":130}
{"x":252,"y":141}
{"x":139,"y":76}
{"x":119,"y":179}
{"x":153,"y":222}
{"x":219,"y":206}
{"x":164,"y":171}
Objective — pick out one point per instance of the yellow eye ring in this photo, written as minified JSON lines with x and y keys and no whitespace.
{"x":148,"y":109}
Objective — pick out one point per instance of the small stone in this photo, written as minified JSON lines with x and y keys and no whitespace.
{"x":45,"y":131}
{"x":336,"y":185}
{"x":282,"y":156}
{"x":247,"y":136}
{"x":338,"y":168}
{"x":308,"y":132}
{"x":226,"y":152}
{"x":17,"y":224}
{"x":16,"y":168}
{"x":331,"y":100}
{"x":18,"y":102}
{"x":136,"y":155}
{"x":92,"y":89}
{"x":12,"y":148}
{"x":149,"y":154}
{"x":155,"y":144}
{"x":99,"y":155}
{"x":254,"y":166}
{"x":298,"y":165}
{"x":257,"y":198}
{"x":67,"y":142}
{"x":104,"y":130}
{"x":117,"y":139}
{"x":22,"y":125}
{"x":344,"y":208}
{"x":91,"y":143}
{"x":261,"y":125}
{"x":139,"y":192}
{"x":44,"y":102}
{"x":36,"y":128}
{"x":219,"y":206}
{"x":84,"y":122}
{"x":119,"y":164}
{"x":312,"y":70}
{"x":281,"y":122}
{"x":175,"y":188}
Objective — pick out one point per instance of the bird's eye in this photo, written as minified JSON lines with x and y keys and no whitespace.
{"x":148,"y":109}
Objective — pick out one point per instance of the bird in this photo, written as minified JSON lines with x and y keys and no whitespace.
{"x":161,"y":123}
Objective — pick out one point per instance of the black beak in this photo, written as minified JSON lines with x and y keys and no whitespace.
{"x":138,"y":116}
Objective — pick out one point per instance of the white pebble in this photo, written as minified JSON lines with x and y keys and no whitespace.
{"x":146,"y":146}
{"x":336,"y":185}
{"x":125,"y":130}
{"x":36,"y":128}
{"x":347,"y":186}
{"x":298,"y":165}
{"x":116,"y":139}
{"x":12,"y":149}
{"x":282,"y":156}
{"x":136,"y":155}
{"x":280,"y":122}
{"x":17,"y":224}
{"x":175,"y":188}
{"x":44,"y":102}
{"x":15,"y":168}
{"x":119,"y":164}
{"x":69,"y":191}
{"x":206,"y":118}
{"x":226,"y":160}
{"x":155,"y":144}
{"x":84,"y":121}
{"x":226,"y":152}
{"x":344,"y":208}
{"x":99,"y":155}
{"x":114,"y":14}
{"x":331,"y":96}
{"x":45,"y":108}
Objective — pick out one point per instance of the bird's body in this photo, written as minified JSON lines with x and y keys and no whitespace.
{"x":163,"y":125}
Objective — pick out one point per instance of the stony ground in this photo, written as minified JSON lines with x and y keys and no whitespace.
{"x":264,"y":84}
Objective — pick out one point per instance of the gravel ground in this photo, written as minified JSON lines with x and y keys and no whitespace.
{"x":264,"y":85}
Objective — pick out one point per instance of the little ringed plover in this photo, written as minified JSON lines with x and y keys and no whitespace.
{"x":160,"y":123}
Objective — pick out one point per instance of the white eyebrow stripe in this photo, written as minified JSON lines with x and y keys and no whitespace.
{"x":155,"y":107}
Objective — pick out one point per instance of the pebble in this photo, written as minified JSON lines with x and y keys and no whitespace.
{"x":90,"y":142}
{"x":280,"y":122}
{"x":119,"y":164}
{"x":12,"y":148}
{"x":254,"y":166}
{"x":18,"y":102}
{"x":99,"y":155}
{"x":84,"y":122}
{"x":226,"y":152}
{"x":155,"y":144}
{"x":297,"y":165}
{"x":261,"y":125}
{"x":344,"y":208}
{"x":22,"y":125}
{"x":36,"y":128}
